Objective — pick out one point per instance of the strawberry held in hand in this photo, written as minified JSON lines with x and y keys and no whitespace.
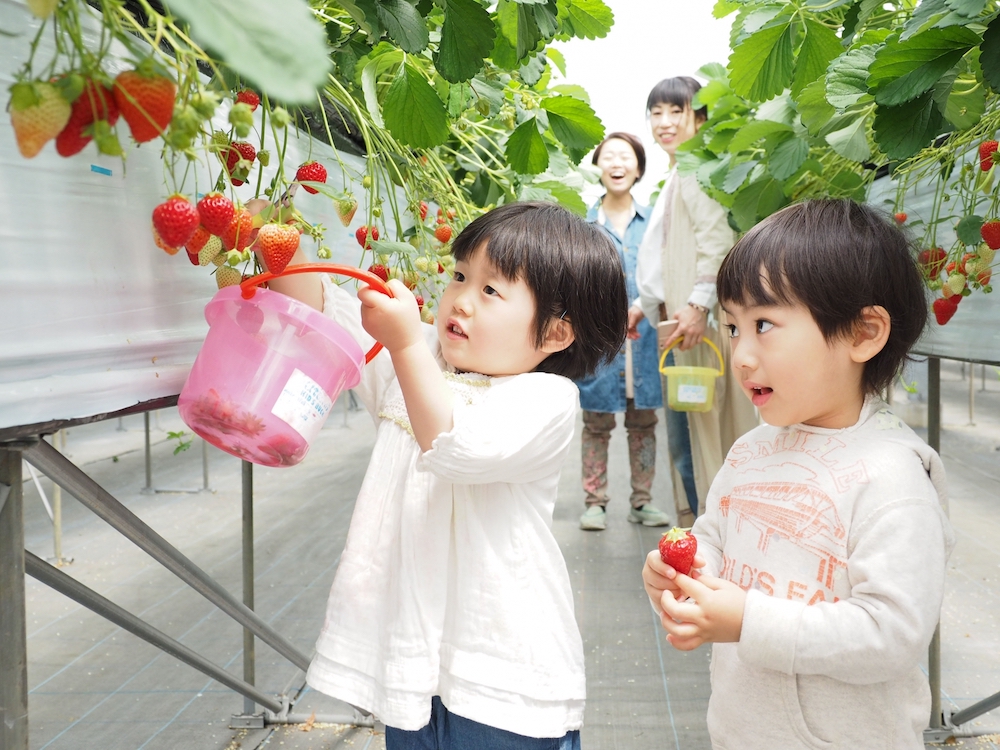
{"x":677,"y":549}
{"x":277,"y":243}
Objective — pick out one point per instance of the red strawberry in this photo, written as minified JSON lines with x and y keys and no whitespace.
{"x":216,"y":211}
{"x":248,"y":96}
{"x":900,"y":217}
{"x":345,"y":209}
{"x":96,"y":102}
{"x":277,"y":243}
{"x":944,"y":309}
{"x":311,"y":171}
{"x":677,"y":549}
{"x":991,"y":234}
{"x":420,"y":302}
{"x":163,"y":245}
{"x":366,"y":235}
{"x":443,"y":233}
{"x":423,"y":210}
{"x":238,"y":235}
{"x":38,"y":113}
{"x":984,"y":276}
{"x":932,"y":261}
{"x":197,"y":241}
{"x":986,"y":151}
{"x":233,"y":155}
{"x":193,"y":257}
{"x":440,"y":268}
{"x":146,"y":101}
{"x":379,"y":270}
{"x":175,"y":220}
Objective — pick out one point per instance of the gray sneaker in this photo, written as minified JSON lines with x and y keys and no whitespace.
{"x":593,"y":519}
{"x":648,"y":515}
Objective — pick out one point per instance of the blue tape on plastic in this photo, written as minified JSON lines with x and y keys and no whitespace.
{"x":100,"y":170}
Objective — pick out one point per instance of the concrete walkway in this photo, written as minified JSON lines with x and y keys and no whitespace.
{"x":96,"y":687}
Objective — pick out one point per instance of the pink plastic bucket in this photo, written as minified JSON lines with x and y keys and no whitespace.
{"x":270,"y":370}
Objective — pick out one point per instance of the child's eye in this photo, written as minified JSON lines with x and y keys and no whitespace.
{"x":734,"y":332}
{"x":489,"y":290}
{"x":763,"y":326}
{"x":458,"y":276}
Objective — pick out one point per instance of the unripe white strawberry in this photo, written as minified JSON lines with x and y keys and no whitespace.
{"x":956,"y":283}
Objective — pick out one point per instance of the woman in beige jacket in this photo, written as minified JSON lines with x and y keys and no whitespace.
{"x":687,"y":238}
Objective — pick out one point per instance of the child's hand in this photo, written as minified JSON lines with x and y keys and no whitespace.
{"x":658,"y":577}
{"x":393,"y":321}
{"x":706,"y":610}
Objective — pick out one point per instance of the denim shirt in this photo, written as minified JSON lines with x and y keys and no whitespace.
{"x":605,"y":390}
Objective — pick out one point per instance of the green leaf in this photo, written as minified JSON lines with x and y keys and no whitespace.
{"x":526,"y":152}
{"x":966,"y":102}
{"x":847,"y":78}
{"x":491,"y":91}
{"x":761,"y":66}
{"x":925,"y":15}
{"x":905,"y":70}
{"x":968,"y":228}
{"x":532,"y":69}
{"x":280,"y":47}
{"x":902,"y":131}
{"x":967,"y":8}
{"x":365,"y":15}
{"x":466,"y":40}
{"x":753,"y":131}
{"x":369,"y":81}
{"x":586,"y":19}
{"x":573,"y":122}
{"x":517,"y":25}
{"x":814,"y":110}
{"x":389,"y":247}
{"x":565,"y":195}
{"x":557,"y":59}
{"x":820,"y":46}
{"x":547,"y":18}
{"x":413,"y":112}
{"x":745,"y":203}
{"x":736,"y":176}
{"x":787,"y":157}
{"x":403,"y":24}
{"x":571,"y":89}
{"x":989,"y":55}
{"x":851,"y":141}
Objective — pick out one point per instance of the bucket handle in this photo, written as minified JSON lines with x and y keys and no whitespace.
{"x":249,"y":287}
{"x":719,"y":373}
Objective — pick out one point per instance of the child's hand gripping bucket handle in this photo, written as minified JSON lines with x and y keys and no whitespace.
{"x":690,"y":388}
{"x":249,"y":287}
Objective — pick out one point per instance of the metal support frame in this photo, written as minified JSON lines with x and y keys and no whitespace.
{"x":62,"y":471}
{"x":249,"y":646}
{"x":148,"y":488}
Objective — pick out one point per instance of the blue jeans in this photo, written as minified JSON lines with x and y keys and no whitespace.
{"x":448,"y":731}
{"x":679,"y":447}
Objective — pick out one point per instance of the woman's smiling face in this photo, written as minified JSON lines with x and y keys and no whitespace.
{"x":672,"y":125}
{"x":619,"y":166}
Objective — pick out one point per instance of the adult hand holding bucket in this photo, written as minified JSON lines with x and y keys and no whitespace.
{"x":270,"y":369}
{"x":691,"y":388}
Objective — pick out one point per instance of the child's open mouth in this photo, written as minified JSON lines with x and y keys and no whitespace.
{"x":760,"y":395}
{"x":455,"y":332}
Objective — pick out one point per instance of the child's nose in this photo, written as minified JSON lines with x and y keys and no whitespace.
{"x":743,"y":357}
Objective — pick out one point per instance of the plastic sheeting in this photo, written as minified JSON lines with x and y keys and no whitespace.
{"x":94,"y":318}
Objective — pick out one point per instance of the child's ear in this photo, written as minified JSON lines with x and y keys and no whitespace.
{"x":871,"y":333}
{"x":559,"y":336}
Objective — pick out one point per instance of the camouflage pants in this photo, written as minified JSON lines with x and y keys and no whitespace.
{"x":640,"y":425}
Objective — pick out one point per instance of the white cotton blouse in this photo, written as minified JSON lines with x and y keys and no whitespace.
{"x":451,"y":582}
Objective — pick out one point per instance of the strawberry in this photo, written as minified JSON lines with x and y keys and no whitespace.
{"x":984,"y":276}
{"x":900,"y":217}
{"x":345,"y":209}
{"x":426,"y":316}
{"x":146,"y":101}
{"x":965,"y":259}
{"x":677,"y":549}
{"x":932,"y":261}
{"x":440,"y":268}
{"x":379,"y":270}
{"x":991,"y":234}
{"x":423,"y":210}
{"x":311,"y":171}
{"x":97,"y":102}
{"x":420,"y":302}
{"x":237,"y":236}
{"x":211,"y":251}
{"x":197,"y":241}
{"x":248,"y":96}
{"x":42,"y":8}
{"x":944,"y":309}
{"x":366,"y":235}
{"x":215,"y":211}
{"x":277,"y":243}
{"x":238,"y":157}
{"x":986,"y":254}
{"x":956,"y":283}
{"x":175,"y":220}
{"x":193,"y":257}
{"x":38,"y":113}
{"x":168,"y":249}
{"x":986,"y":151}
{"x":443,"y":233}
{"x":227,"y":276}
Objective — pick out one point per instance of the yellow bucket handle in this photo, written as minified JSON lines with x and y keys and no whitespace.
{"x":663,"y":357}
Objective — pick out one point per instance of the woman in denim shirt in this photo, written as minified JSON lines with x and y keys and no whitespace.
{"x":630,"y":384}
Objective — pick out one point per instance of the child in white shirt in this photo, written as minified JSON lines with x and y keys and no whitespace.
{"x":451,"y":614}
{"x":821,"y":557}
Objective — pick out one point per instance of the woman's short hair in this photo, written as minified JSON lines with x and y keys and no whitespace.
{"x":836,"y":257}
{"x":571,"y":267}
{"x":678,"y":91}
{"x":631,"y":140}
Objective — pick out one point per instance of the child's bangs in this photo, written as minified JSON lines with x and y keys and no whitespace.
{"x":755,"y":273}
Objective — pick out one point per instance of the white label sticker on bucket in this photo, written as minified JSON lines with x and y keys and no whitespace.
{"x":303,"y":404}
{"x":692,"y":394}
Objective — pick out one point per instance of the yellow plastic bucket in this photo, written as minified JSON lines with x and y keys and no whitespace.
{"x":690,"y":388}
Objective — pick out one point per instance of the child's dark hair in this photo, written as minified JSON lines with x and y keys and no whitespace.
{"x":678,"y":91}
{"x":631,"y":140}
{"x":571,"y":267}
{"x":836,"y":257}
